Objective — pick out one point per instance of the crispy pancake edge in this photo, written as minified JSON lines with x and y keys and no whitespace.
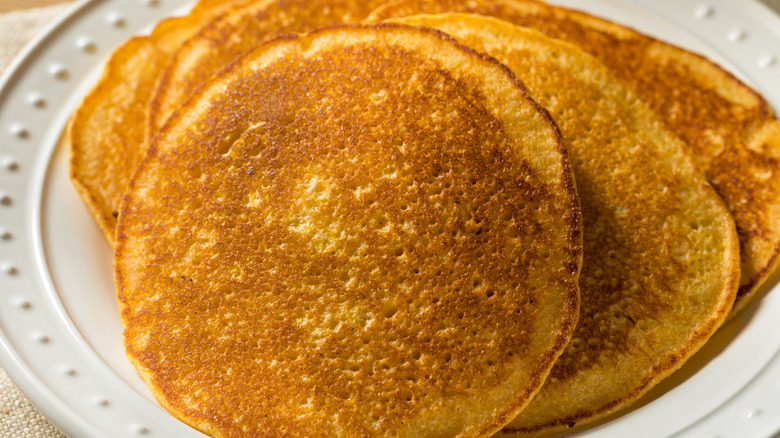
{"x":99,"y":208}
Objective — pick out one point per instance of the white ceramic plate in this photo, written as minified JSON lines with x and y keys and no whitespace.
{"x":60,"y":334}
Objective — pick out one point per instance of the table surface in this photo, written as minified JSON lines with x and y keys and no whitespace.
{"x":13,"y":5}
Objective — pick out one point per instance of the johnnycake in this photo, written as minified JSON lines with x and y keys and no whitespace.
{"x":660,"y":251}
{"x":360,"y":231}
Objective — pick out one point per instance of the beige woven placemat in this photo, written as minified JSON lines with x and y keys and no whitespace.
{"x":774,"y":4}
{"x":19,"y":27}
{"x":18,"y":417}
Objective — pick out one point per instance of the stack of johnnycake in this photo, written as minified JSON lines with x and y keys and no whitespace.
{"x":420,"y":217}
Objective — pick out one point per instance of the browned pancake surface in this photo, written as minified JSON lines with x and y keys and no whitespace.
{"x":363,"y":231}
{"x":660,"y":266}
{"x":728,"y":127}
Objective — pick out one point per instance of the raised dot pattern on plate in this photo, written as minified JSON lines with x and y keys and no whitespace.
{"x":10,"y":164}
{"x":20,"y":131}
{"x":767,"y":61}
{"x":101,"y":401}
{"x":737,"y":35}
{"x":753,"y":413}
{"x":140,"y":429}
{"x":59,"y":71}
{"x":116,"y":20}
{"x":86,"y":45}
{"x":704,"y":11}
{"x":37,"y":100}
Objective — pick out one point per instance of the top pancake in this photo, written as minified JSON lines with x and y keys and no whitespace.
{"x":660,"y":252}
{"x":238,"y":30}
{"x":106,"y":132}
{"x":361,"y":231}
{"x":728,"y":127}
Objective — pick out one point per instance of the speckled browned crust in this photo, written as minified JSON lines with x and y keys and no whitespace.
{"x":661,"y":255}
{"x":238,"y":30}
{"x":362,"y":231}
{"x":730,"y":129}
{"x":106,"y":132}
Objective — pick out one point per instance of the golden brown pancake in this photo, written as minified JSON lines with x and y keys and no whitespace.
{"x":361,"y":231}
{"x":660,"y":251}
{"x":106,"y":131}
{"x":238,"y":30}
{"x":729,"y":128}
